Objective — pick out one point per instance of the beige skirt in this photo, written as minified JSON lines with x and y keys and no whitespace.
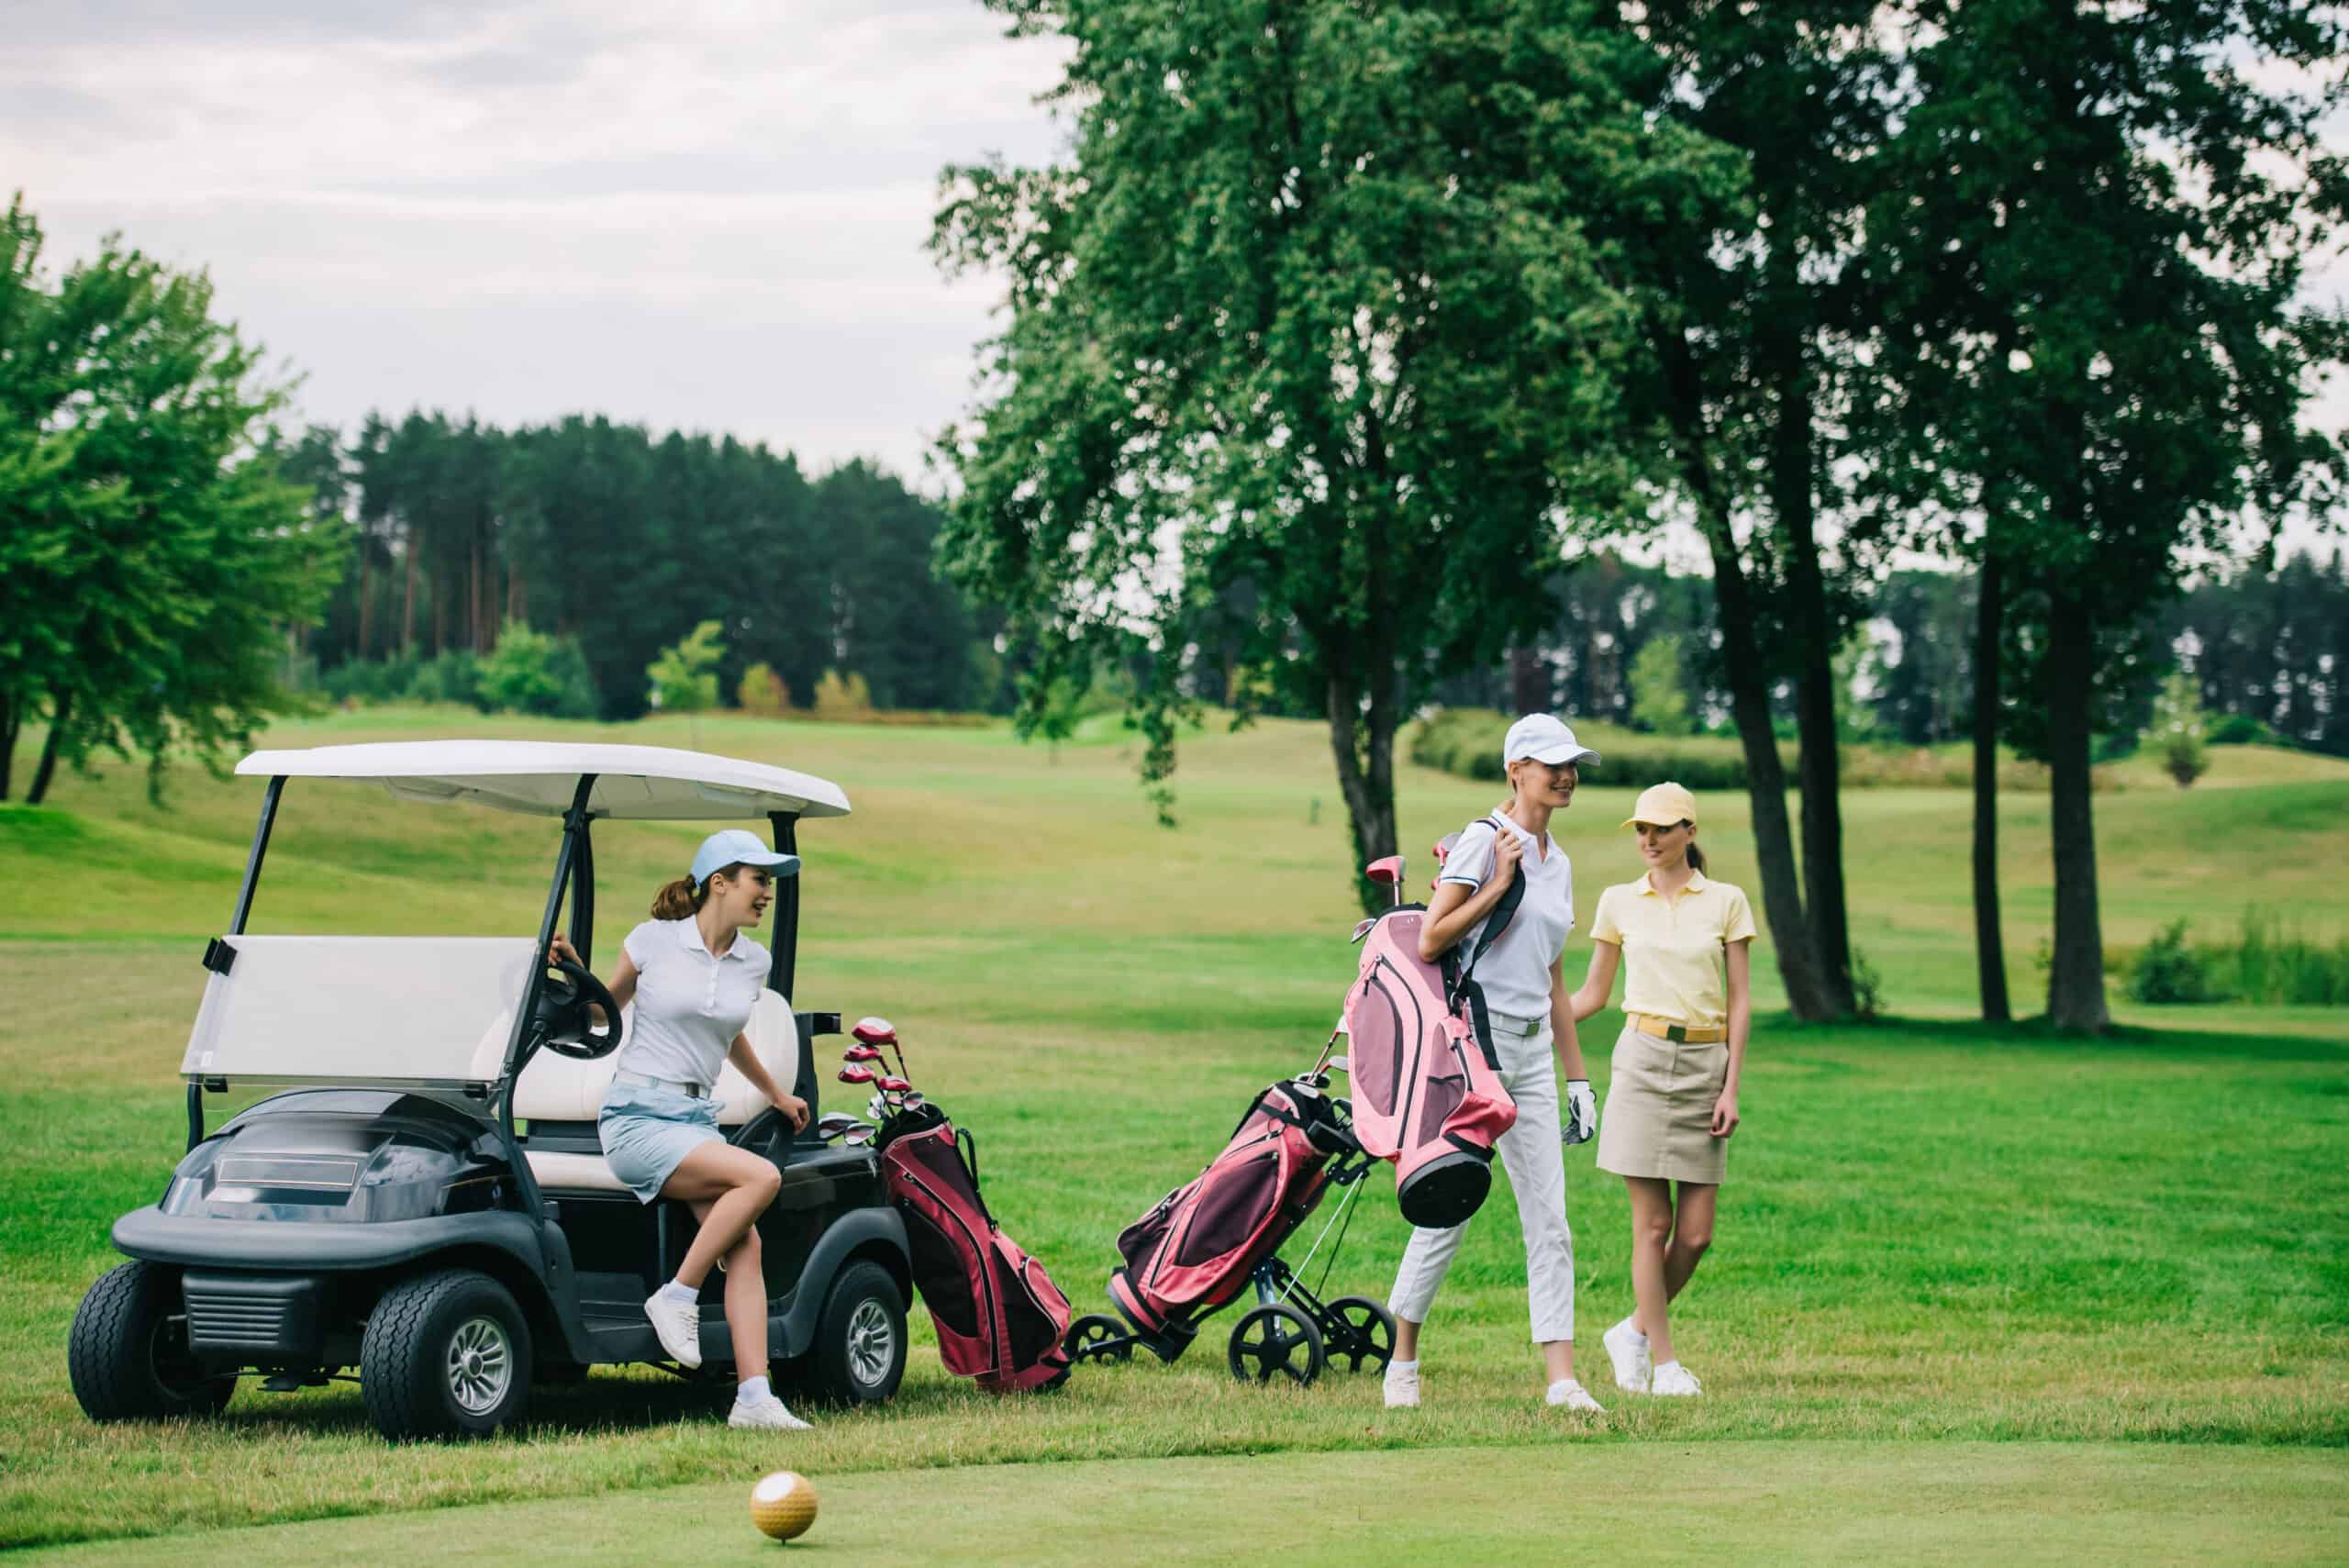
{"x":1659,"y":1116}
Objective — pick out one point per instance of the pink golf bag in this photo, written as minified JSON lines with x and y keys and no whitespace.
{"x":999,"y":1317}
{"x":1198,"y":1246}
{"x":1427,"y":1087}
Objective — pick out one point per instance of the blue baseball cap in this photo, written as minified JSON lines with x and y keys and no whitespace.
{"x":738,"y":846}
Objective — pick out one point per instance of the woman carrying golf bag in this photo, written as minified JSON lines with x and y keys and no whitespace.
{"x":1526,"y":1003}
{"x":1684,"y":942}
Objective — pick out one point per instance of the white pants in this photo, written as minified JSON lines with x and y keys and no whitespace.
{"x":1537,"y":1173}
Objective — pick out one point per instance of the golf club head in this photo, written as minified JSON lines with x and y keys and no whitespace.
{"x":1387,"y":872}
{"x":875,"y":1031}
{"x":859,"y":1136}
{"x":877,"y":1107}
{"x":835,"y":1124}
{"x":1339,"y":1064}
{"x":856,"y":1073}
{"x":1364,"y":929}
{"x":915,"y":1099}
{"x":861,"y":1053}
{"x":894,"y":1085}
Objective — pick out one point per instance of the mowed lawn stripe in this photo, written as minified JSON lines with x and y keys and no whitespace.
{"x":1566,"y":1500}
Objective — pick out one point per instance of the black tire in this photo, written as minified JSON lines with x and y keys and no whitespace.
{"x":1360,"y":1332}
{"x":446,"y":1355}
{"x":128,"y":1355}
{"x":1096,"y":1336}
{"x":859,"y":1356}
{"x":1275,"y":1342}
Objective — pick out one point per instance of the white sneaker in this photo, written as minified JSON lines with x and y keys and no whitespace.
{"x":1570,"y":1393}
{"x":1402,"y":1387}
{"x":770,"y":1413}
{"x":1674,"y":1380}
{"x":678,"y":1323}
{"x":1627,"y":1349}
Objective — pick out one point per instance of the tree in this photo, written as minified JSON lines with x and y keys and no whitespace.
{"x":761,"y":692}
{"x":1755,"y":335}
{"x":684,"y":675}
{"x":2093,"y":239}
{"x":529,"y":671}
{"x":2178,"y":736}
{"x":1313,"y":305}
{"x":151,"y":559}
{"x":1659,"y":691}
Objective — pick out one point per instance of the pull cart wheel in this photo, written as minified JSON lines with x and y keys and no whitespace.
{"x":1275,"y":1342}
{"x":1360,"y":1332}
{"x":128,"y":1355}
{"x":1098,"y":1337}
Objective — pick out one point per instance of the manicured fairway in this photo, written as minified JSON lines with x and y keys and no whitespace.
{"x":1932,"y":1231}
{"x":1725,"y":1503}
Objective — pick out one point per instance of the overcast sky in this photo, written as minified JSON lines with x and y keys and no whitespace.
{"x":697,"y":214}
{"x":701,"y":214}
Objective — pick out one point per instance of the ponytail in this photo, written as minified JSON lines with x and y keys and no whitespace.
{"x":1696,"y":856}
{"x":679,"y":900}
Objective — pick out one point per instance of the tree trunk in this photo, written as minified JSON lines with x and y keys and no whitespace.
{"x":407,"y":601}
{"x":366,"y":603}
{"x":1364,"y":745}
{"x":1989,"y":944}
{"x":1814,"y":649}
{"x":12,"y":718}
{"x":47,"y":769}
{"x":1528,"y":683}
{"x":1765,"y":788}
{"x":2075,"y":982}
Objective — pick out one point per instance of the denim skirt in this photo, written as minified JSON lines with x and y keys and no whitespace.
{"x":646,"y":1131}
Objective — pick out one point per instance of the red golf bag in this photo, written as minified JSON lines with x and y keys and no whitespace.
{"x":999,"y":1317}
{"x":1198,"y":1246}
{"x":1427,"y":1088}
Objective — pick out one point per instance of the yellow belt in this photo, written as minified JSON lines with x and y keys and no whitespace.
{"x":1681,"y":1032}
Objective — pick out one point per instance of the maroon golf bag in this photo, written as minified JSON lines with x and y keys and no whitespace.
{"x":1427,"y":1088}
{"x":999,"y":1317}
{"x":1199,"y":1246}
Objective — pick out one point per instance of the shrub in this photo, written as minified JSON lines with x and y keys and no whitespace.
{"x":1467,"y":742}
{"x":2269,"y":967}
{"x":2241,"y":730}
{"x":2170,"y":970}
{"x":1867,"y":987}
{"x":529,"y":671}
{"x":685,"y":676}
{"x":2178,"y":733}
{"x":761,"y":692}
{"x":843,"y":697}
{"x":1659,"y":689}
{"x":371,"y":680}
{"x":453,"y":677}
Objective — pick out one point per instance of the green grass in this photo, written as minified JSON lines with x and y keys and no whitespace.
{"x":1933,"y":1231}
{"x":1727,"y":1503}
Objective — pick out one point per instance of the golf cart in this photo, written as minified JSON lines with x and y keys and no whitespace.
{"x":427,"y":1200}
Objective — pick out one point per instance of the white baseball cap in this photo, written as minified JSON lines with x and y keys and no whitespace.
{"x":738,"y":846}
{"x":1543,"y":738}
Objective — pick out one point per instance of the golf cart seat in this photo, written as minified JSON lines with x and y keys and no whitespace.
{"x":555,"y":1088}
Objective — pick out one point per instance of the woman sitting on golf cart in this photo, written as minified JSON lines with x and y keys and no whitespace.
{"x":695,"y":975}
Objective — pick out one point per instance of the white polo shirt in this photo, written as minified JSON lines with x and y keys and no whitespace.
{"x":1515,"y":974}
{"x":689,"y":1005}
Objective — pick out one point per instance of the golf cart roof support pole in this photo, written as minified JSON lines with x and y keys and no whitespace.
{"x":269,"y":800}
{"x":574,"y":830}
{"x":783,"y":974}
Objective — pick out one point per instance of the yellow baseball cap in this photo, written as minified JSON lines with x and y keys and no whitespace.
{"x":1666,"y":804}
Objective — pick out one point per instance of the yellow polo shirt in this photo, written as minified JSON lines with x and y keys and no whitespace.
{"x":1672,"y":947}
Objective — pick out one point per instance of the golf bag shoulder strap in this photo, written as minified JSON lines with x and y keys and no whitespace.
{"x":966,"y":1149}
{"x":1496,"y":922}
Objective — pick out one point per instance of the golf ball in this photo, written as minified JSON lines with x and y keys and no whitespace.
{"x":783,"y":1505}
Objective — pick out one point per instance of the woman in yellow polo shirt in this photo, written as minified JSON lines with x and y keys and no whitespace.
{"x":1671,"y":1101}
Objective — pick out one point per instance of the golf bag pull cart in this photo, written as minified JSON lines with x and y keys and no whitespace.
{"x":1201,"y":1245}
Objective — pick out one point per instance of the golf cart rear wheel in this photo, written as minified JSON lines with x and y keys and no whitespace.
{"x":445,"y":1355}
{"x":859,"y":1356}
{"x":1275,"y":1342}
{"x":128,"y":1354}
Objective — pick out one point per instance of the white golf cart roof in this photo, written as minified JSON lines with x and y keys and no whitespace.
{"x":539,"y":777}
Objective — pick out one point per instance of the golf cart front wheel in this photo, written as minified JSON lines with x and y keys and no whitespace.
{"x":859,"y":1356}
{"x":128,"y":1355}
{"x":1275,"y":1342}
{"x":446,"y":1355}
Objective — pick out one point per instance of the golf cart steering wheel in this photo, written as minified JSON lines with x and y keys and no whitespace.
{"x":566,"y":1024}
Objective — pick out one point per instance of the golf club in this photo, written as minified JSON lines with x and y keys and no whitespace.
{"x":856,"y":1073}
{"x":861,"y":1053}
{"x":880,"y":1032}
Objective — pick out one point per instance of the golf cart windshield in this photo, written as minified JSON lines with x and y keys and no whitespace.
{"x":449,"y":1012}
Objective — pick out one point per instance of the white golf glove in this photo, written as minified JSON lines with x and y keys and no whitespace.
{"x":1582,"y":1113}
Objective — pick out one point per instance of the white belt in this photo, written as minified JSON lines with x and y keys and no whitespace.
{"x":677,"y":1087}
{"x":1503,"y":1024}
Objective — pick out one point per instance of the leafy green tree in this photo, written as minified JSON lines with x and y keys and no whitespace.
{"x":684,"y":675}
{"x":2178,"y":736}
{"x":152,"y":562}
{"x":1313,"y":304}
{"x":529,"y":671}
{"x":2093,"y":235}
{"x":1659,"y":689}
{"x":761,"y":692}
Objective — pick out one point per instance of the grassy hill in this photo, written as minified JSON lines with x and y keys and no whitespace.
{"x":1933,"y":1230}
